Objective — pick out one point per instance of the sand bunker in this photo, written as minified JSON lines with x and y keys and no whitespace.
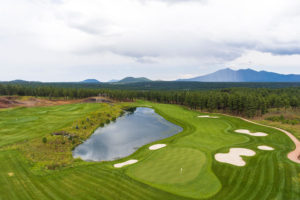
{"x":128,"y":162}
{"x":293,"y":155}
{"x":244,"y":131}
{"x":265,"y":148}
{"x":234,"y":156}
{"x":11,"y":174}
{"x":207,"y":116}
{"x":157,"y":146}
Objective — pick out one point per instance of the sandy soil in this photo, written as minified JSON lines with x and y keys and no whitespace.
{"x":208,"y":116}
{"x":157,"y":146}
{"x":244,"y":131}
{"x":234,"y":156}
{"x":128,"y":162}
{"x":265,"y":148}
{"x":15,"y":101}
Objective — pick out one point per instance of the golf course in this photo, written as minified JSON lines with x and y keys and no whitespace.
{"x":215,"y":156}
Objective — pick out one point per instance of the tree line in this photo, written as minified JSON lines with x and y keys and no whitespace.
{"x":248,"y":102}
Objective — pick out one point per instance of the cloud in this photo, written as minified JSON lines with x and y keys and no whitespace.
{"x":146,"y":36}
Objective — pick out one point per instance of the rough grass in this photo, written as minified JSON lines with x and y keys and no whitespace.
{"x":267,"y":175}
{"x":288,"y":114}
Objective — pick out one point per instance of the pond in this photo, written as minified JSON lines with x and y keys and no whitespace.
{"x":124,"y":136}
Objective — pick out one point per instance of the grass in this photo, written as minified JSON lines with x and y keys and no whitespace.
{"x":22,"y":124}
{"x":157,"y":175}
{"x":57,"y":130}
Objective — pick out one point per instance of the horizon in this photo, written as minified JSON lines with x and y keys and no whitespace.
{"x":116,"y":80}
{"x":67,"y":41}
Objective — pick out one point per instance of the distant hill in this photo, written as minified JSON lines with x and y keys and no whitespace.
{"x":134,"y":80}
{"x":113,"y":81}
{"x":90,"y":81}
{"x":18,"y":81}
{"x":244,"y":75}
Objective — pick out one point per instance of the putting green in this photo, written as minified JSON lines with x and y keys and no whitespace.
{"x":172,"y":167}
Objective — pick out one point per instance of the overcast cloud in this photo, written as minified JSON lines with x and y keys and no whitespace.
{"x":71,"y":40}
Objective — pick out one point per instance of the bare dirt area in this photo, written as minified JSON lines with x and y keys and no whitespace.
{"x":16,"y":101}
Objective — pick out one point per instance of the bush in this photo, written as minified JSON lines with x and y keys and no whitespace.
{"x":44,"y":140}
{"x":107,"y":121}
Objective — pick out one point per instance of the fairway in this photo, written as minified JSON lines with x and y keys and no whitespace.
{"x":21,"y":124}
{"x":184,"y":169}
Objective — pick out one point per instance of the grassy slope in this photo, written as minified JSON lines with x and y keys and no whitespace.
{"x":268,"y":175}
{"x":21,"y":124}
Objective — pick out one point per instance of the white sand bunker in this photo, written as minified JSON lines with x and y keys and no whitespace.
{"x":234,"y":156}
{"x":265,"y":148}
{"x":207,"y":116}
{"x":128,"y":162}
{"x":157,"y":146}
{"x":11,"y":174}
{"x":244,"y":131}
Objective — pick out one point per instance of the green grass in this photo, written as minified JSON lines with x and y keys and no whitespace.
{"x":21,"y":124}
{"x":157,"y":175}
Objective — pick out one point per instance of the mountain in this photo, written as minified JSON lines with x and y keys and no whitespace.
{"x":134,"y":80}
{"x":244,"y":75}
{"x":90,"y":81}
{"x":113,"y":81}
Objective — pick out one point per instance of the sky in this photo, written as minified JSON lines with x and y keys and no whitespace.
{"x":72,"y":40}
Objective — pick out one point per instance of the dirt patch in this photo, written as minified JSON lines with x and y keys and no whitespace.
{"x":97,"y":100}
{"x":15,"y":101}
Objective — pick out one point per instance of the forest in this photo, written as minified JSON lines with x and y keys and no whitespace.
{"x":240,"y":101}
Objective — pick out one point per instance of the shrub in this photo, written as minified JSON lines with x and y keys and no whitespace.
{"x":107,"y":121}
{"x":44,"y":140}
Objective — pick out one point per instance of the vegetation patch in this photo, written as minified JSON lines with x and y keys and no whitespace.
{"x":54,"y":149}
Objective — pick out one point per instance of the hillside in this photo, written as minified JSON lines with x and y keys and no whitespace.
{"x":134,"y":80}
{"x":245,"y":75}
{"x":90,"y":81}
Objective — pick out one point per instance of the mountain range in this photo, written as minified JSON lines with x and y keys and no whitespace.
{"x":223,"y":75}
{"x":244,"y":75}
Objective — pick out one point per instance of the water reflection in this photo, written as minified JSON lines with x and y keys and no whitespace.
{"x":124,"y":136}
